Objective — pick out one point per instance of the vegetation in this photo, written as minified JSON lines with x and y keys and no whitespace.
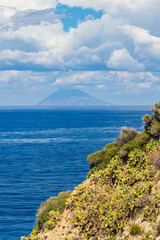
{"x":128,"y":140}
{"x":152,"y":123}
{"x":135,"y":230}
{"x":110,"y":238}
{"x":48,"y":214}
{"x":50,"y":210}
{"x":116,"y":194}
{"x":120,"y":187}
{"x":126,"y":135}
{"x":100,"y":159}
{"x":158,"y":229}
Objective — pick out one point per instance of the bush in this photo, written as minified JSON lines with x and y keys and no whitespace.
{"x":97,"y":157}
{"x":155,"y":129}
{"x":152,"y":123}
{"x":126,"y":135}
{"x":135,"y":229}
{"x":54,"y":203}
{"x":137,"y":143}
{"x":101,"y":159}
{"x":158,"y":229}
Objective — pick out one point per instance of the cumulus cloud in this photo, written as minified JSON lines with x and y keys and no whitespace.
{"x":147,"y":47}
{"x":121,"y":60}
{"x":5,"y":14}
{"x":33,"y":36}
{"x":51,"y":44}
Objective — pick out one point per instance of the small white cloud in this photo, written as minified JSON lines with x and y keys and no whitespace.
{"x":145,"y":85}
{"x":121,"y":60}
{"x":102,"y":86}
{"x":6,"y":76}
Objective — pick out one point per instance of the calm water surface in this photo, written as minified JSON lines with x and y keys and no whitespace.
{"x":43,"y":152}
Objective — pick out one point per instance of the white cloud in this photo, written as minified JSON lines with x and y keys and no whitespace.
{"x":145,"y":85}
{"x":118,"y":40}
{"x":147,"y":47}
{"x":121,"y":60}
{"x":6,"y":76}
{"x":45,"y":36}
{"x":29,"y":4}
{"x":33,"y":17}
{"x":102,"y":86}
{"x":57,"y":48}
{"x":113,"y":6}
{"x":5,"y":14}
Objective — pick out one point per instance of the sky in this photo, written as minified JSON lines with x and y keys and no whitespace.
{"x":108,"y":48}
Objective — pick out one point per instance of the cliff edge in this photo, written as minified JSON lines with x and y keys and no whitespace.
{"x":119,"y":200}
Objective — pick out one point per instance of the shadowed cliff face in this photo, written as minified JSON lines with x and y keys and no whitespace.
{"x":71,"y":97}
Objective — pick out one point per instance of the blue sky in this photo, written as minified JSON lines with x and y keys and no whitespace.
{"x":107,"y":48}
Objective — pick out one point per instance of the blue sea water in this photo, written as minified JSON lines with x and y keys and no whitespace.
{"x":44,"y":151}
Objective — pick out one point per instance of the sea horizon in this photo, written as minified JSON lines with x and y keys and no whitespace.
{"x":112,"y":107}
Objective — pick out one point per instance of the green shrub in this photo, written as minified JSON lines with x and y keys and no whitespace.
{"x":155,"y":129}
{"x":158,"y":229}
{"x":101,"y":159}
{"x":126,"y":135}
{"x":97,"y":157}
{"x":137,"y":143}
{"x":135,"y":229}
{"x":152,"y":123}
{"x":54,"y":203}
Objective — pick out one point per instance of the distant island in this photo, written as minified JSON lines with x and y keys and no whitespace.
{"x":71,"y":97}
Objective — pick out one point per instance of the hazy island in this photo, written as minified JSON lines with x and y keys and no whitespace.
{"x":70,"y":97}
{"x":120,"y":198}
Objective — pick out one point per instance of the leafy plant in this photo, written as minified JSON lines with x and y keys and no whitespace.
{"x":135,"y":229}
{"x":56,"y":204}
{"x":158,"y":229}
{"x":126,"y":135}
{"x":152,"y":123}
{"x":101,"y":159}
{"x":111,"y":238}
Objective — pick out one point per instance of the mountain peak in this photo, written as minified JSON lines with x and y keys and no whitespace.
{"x":71,"y":97}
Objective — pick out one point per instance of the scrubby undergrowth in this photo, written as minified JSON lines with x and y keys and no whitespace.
{"x":116,"y":194}
{"x":120,"y":187}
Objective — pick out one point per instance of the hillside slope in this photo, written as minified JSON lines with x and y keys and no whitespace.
{"x":119,"y":200}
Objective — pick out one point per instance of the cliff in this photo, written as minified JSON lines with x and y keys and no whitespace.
{"x":119,"y":200}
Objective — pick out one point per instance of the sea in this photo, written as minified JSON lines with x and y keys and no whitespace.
{"x":44,"y":152}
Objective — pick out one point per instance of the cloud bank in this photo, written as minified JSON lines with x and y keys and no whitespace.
{"x":114,"y":54}
{"x":124,"y":38}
